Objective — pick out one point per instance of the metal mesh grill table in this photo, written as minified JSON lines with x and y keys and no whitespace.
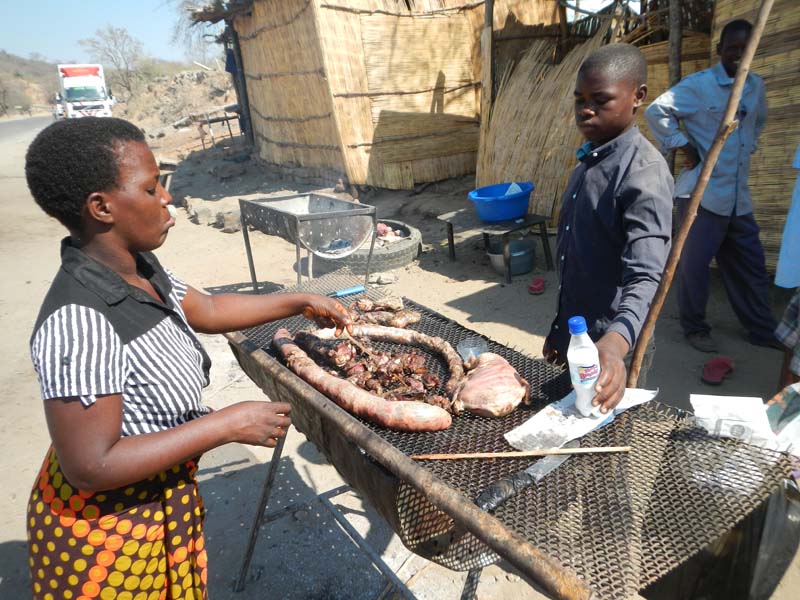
{"x":618,"y":521}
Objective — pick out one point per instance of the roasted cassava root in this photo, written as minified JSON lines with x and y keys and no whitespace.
{"x":401,"y":416}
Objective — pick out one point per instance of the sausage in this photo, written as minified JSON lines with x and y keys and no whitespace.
{"x":401,"y":416}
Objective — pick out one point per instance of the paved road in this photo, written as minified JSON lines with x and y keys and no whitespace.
{"x":28,"y":254}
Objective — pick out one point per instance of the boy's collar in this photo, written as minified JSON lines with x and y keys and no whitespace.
{"x":590,"y":150}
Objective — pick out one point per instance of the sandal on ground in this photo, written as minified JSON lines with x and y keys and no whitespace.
{"x":715,"y":370}
{"x":536,"y":286}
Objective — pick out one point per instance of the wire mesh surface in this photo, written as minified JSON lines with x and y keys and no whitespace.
{"x":620,"y":521}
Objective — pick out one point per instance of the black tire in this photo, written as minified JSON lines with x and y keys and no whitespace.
{"x":384,"y":258}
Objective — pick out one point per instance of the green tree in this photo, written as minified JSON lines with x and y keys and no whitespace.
{"x":115,"y":46}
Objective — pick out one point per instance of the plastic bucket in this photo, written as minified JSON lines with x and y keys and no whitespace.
{"x":493,"y":204}
{"x":522,"y":255}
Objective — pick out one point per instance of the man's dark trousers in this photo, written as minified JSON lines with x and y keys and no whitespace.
{"x":734,"y":242}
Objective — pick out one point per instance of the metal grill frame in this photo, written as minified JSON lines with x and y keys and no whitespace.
{"x":616,"y":522}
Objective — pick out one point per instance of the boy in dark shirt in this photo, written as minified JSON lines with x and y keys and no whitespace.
{"x":616,"y":219}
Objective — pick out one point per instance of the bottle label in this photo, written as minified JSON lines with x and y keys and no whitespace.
{"x":588,"y":373}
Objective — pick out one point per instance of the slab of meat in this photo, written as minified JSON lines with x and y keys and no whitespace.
{"x":401,"y":416}
{"x":492,"y":388}
{"x":409,"y":337}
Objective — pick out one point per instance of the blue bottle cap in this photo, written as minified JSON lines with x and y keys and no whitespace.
{"x":577,"y":325}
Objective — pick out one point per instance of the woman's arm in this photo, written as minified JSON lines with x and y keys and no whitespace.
{"x":221,"y":313}
{"x":93,"y":456}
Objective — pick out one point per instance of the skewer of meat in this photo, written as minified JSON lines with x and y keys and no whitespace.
{"x":401,"y":416}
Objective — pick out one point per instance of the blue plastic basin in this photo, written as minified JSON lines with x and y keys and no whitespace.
{"x":493,"y":205}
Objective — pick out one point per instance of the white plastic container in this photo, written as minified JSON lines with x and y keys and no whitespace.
{"x":584,"y":367}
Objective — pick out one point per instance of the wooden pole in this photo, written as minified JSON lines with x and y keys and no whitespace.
{"x":563,"y":28}
{"x":725,"y":128}
{"x":487,"y":79}
{"x":674,"y":63}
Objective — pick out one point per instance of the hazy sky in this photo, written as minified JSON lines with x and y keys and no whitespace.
{"x":52,"y":28}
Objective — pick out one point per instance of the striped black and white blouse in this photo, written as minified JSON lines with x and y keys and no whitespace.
{"x":96,"y":335}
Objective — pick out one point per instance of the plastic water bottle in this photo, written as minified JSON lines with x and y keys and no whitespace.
{"x":584,"y":366}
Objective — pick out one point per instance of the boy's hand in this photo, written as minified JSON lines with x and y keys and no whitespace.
{"x":610,"y":386}
{"x":327,"y":312}
{"x":550,"y":354}
{"x":691,"y":158}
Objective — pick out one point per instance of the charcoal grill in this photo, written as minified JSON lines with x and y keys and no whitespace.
{"x":603,"y":524}
{"x":323,"y":224}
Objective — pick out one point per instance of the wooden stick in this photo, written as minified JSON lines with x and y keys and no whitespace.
{"x":725,"y":128}
{"x":545,"y":452}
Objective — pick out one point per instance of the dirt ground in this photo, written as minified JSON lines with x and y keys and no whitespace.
{"x":305,"y":551}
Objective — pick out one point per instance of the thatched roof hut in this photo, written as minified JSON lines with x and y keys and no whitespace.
{"x":381,"y":92}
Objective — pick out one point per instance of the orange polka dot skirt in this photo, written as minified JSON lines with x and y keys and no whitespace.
{"x":141,"y":542}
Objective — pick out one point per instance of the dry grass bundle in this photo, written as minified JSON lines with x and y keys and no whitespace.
{"x":530,"y":134}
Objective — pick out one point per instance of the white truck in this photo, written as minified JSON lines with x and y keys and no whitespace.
{"x":82,"y":92}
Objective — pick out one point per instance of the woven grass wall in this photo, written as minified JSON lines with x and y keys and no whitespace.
{"x":694,"y":57}
{"x":386,"y":95}
{"x":290,"y":102}
{"x":778,"y":62}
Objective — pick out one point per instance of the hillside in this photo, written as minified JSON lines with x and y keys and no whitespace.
{"x":27,"y":80}
{"x":164,"y":93}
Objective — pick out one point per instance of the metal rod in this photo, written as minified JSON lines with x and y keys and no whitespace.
{"x":469,"y":591}
{"x":523,"y":454}
{"x":506,"y":258}
{"x":371,"y":246}
{"x":555,"y":578}
{"x":248,"y":250}
{"x":298,"y":258}
{"x":725,"y":129}
{"x":376,"y":558}
{"x":259,"y":517}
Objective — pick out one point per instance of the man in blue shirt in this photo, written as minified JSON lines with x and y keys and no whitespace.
{"x":724,"y":228}
{"x":616,"y":218}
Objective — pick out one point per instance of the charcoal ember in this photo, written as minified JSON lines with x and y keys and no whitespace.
{"x":414,"y":363}
{"x":391,"y":303}
{"x":430,"y":381}
{"x":440,"y":401}
{"x":356,"y":369}
{"x":335,"y":353}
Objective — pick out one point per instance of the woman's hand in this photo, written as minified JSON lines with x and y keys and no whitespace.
{"x":610,"y":386}
{"x":258,"y":423}
{"x":327,"y":312}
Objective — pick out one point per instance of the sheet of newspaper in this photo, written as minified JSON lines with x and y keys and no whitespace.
{"x":559,"y":422}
